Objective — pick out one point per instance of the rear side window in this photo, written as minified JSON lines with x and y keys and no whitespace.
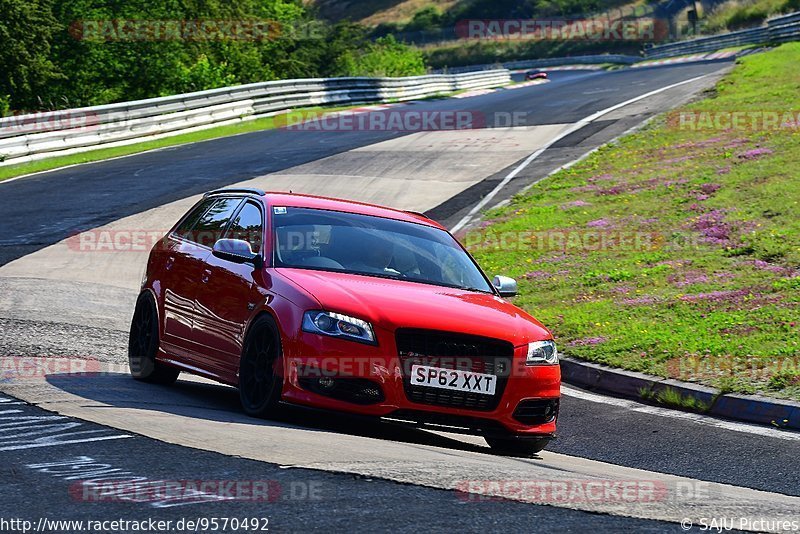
{"x":208,"y":229}
{"x":248,"y":226}
{"x":185,"y":227}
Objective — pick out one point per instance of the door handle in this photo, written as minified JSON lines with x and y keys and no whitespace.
{"x":205,"y":276}
{"x":170,"y":262}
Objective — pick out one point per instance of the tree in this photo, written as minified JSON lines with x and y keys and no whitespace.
{"x":384,"y":57}
{"x":26,"y":31}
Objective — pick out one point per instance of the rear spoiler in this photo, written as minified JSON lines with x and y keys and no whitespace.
{"x":240,"y":190}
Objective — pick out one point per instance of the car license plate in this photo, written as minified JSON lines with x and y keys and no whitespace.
{"x":468,"y":382}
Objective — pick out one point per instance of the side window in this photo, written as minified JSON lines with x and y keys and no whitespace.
{"x":248,"y":226}
{"x":210,"y":226}
{"x":185,"y":227}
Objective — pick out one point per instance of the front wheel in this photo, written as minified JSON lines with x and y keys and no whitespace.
{"x":517,"y":446}
{"x":143,"y":345}
{"x":259,"y":385}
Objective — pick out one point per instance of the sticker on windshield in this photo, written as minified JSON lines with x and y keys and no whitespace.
{"x":279,"y":210}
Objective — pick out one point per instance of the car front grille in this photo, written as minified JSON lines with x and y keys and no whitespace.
{"x":453,"y":351}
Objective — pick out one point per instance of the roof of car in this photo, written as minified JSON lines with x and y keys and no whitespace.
{"x":296,"y":200}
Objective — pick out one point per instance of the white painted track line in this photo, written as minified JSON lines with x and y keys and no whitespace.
{"x":677,"y":414}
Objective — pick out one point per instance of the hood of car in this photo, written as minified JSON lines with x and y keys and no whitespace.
{"x":390,"y":304}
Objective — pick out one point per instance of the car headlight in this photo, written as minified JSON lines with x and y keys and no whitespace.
{"x":338,"y":325}
{"x":542,"y":353}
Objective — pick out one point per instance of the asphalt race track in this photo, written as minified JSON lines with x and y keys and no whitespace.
{"x":315,"y":471}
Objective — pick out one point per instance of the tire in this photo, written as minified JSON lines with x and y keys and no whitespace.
{"x":517,"y":446}
{"x":259,"y":386}
{"x":143,"y":345}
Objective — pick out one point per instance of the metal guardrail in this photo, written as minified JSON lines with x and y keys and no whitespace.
{"x":778,"y":30}
{"x":552,"y":62}
{"x":620,"y":59}
{"x":35,"y":136}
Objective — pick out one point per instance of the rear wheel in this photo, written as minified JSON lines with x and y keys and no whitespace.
{"x":259,"y":386}
{"x":517,"y":446}
{"x":143,"y":345}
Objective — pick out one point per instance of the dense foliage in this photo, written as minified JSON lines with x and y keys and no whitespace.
{"x":476,"y":52}
{"x":68,"y":53}
{"x":430,"y":18}
{"x":738,"y":14}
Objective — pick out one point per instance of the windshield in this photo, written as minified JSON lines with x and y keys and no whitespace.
{"x":373,"y":246}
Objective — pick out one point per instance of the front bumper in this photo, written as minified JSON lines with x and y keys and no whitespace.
{"x":347,"y":376}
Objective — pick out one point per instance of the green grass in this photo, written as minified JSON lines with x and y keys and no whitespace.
{"x":265,"y":123}
{"x":711,"y":290}
{"x":674,"y":399}
{"x":738,"y":14}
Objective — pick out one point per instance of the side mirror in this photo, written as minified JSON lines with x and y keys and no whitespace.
{"x":237,"y":251}
{"x":507,"y":287}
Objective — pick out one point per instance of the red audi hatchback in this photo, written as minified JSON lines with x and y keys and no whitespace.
{"x":344,"y":306}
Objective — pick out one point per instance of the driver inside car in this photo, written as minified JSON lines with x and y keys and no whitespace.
{"x":376,"y":256}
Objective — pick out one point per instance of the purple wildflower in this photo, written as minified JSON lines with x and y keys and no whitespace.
{"x":600,"y":223}
{"x":644,"y":300}
{"x":697,"y":207}
{"x":614,"y":190}
{"x":754,"y":153}
{"x":589,"y":188}
{"x":536,"y":274}
{"x":710,"y":189}
{"x":735,"y":143}
{"x":575,"y":204}
{"x":713,"y":227}
{"x":688,"y":278}
{"x":762,"y":265}
{"x":717,"y":296}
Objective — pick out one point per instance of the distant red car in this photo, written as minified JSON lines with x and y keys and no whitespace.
{"x":344,"y":306}
{"x":535,"y":75}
